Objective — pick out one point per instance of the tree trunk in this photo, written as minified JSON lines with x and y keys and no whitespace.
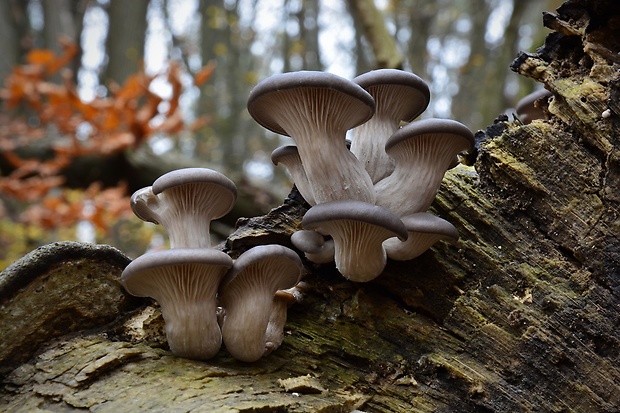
{"x":125,"y":40}
{"x":520,"y":316}
{"x":380,"y":40}
{"x":13,"y":31}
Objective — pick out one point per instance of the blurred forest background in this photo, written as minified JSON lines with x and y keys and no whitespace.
{"x":100,"y":97}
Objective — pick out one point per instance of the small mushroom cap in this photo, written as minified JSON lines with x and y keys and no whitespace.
{"x":425,"y":222}
{"x":353,"y":211}
{"x":289,"y":156}
{"x":283,"y":152}
{"x":431,"y":126}
{"x":408,"y":93}
{"x":332,"y":86}
{"x":201,"y":176}
{"x":314,"y":245}
{"x":308,"y":241}
{"x":142,"y":202}
{"x":425,"y":229}
{"x":136,"y":276}
{"x":527,"y":109}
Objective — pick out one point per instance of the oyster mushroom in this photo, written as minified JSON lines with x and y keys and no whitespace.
{"x":423,"y":150}
{"x":184,"y":282}
{"x":314,"y":246}
{"x":184,"y":202}
{"x":288,"y":155}
{"x":247,"y":295}
{"x":528,"y":109}
{"x":282,"y":300}
{"x":424,"y":229}
{"x":358,"y":230}
{"x":316,"y":109}
{"x":399,"y":96}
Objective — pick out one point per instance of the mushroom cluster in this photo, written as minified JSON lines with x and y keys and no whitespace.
{"x":368,"y":202}
{"x":205,"y":296}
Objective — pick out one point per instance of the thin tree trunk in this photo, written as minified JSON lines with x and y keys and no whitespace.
{"x":126,"y":39}
{"x":13,"y":29}
{"x":383,"y":44}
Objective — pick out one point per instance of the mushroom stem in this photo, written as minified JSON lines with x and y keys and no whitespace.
{"x":192,"y":331}
{"x":283,"y":299}
{"x":245,"y":325}
{"x":247,"y":293}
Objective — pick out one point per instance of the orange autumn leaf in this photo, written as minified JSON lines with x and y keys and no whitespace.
{"x":40,"y":57}
{"x":204,"y":74}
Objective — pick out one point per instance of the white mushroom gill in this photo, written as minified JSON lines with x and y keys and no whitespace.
{"x":358,"y":230}
{"x":184,"y":202}
{"x":316,"y":109}
{"x":187,"y":211}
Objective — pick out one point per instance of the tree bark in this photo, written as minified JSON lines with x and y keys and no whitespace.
{"x":383,"y":44}
{"x":520,"y":316}
{"x":125,"y":40}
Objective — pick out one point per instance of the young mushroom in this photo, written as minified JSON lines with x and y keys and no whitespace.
{"x":528,"y":107}
{"x":423,"y":150}
{"x":399,"y":97}
{"x":288,"y":155}
{"x":247,"y":295}
{"x":424,"y":229}
{"x":282,"y":300}
{"x":358,"y":230}
{"x":316,"y":109}
{"x":314,"y":246}
{"x":184,"y":281}
{"x":184,"y":202}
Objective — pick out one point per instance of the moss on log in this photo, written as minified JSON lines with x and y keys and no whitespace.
{"x":520,"y":315}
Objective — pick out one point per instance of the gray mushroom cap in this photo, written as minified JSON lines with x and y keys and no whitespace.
{"x":423,"y":150}
{"x":143,"y":202}
{"x":396,"y":91}
{"x":424,"y":229}
{"x":201,"y":177}
{"x":527,"y":107}
{"x":288,"y":155}
{"x":316,"y":109}
{"x":184,"y":282}
{"x":432,"y":126}
{"x":358,"y":230}
{"x":363,"y":105}
{"x":314,"y":245}
{"x":247,"y":294}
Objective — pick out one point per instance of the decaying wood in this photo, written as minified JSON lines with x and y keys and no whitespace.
{"x":521,"y":315}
